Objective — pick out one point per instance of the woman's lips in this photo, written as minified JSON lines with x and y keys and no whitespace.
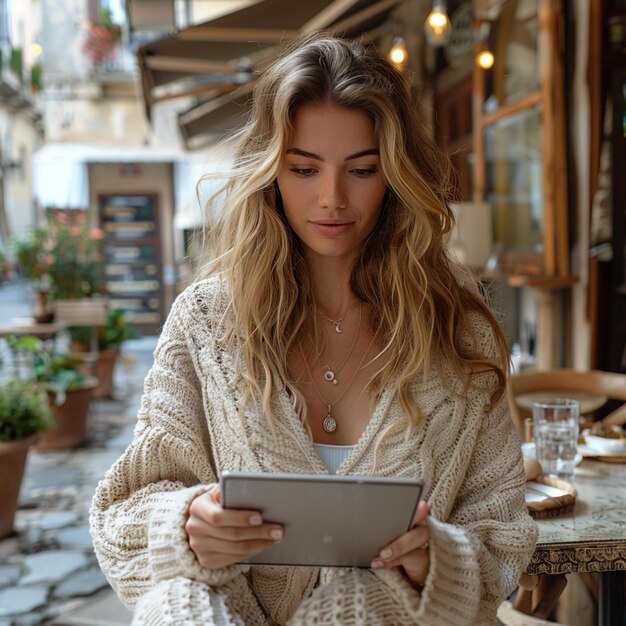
{"x":327,"y":228}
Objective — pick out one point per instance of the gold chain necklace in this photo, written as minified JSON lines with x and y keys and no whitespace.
{"x":337,"y":322}
{"x":330,"y":423}
{"x":330,"y":374}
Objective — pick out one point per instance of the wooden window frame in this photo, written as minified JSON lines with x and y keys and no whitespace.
{"x":552,"y":267}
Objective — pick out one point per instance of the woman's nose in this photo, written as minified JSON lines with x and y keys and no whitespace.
{"x":332,"y":194}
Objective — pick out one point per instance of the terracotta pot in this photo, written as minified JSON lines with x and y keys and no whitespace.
{"x":70,"y":419}
{"x":105,"y":365}
{"x":12,"y":462}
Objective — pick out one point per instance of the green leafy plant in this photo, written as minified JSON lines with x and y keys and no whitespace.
{"x":55,"y":372}
{"x":64,"y":257}
{"x":16,"y":63}
{"x":28,"y":252}
{"x":116,"y":330}
{"x":24,"y":409}
{"x":35,"y":77}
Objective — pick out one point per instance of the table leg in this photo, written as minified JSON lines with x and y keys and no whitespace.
{"x":611,"y":604}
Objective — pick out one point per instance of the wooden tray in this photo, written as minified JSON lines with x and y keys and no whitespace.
{"x":550,"y":506}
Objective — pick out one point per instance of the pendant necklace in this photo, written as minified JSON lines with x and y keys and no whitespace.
{"x":330,"y":374}
{"x":337,"y":322}
{"x":330,"y":423}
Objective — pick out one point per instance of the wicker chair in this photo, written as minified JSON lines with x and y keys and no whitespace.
{"x":593,"y":388}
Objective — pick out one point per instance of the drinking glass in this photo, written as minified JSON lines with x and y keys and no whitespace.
{"x":555,"y":426}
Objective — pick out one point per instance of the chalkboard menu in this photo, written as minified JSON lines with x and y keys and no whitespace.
{"x":133,"y":268}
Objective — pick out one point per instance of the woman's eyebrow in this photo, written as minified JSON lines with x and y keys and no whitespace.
{"x":317,"y":157}
{"x":362,"y":153}
{"x":304,"y":153}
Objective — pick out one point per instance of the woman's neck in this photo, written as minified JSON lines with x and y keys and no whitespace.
{"x":331,"y":285}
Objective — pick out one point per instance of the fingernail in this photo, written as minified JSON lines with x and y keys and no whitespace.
{"x":386,"y":553}
{"x":276,"y":533}
{"x":376,"y":564}
{"x":255,"y":520}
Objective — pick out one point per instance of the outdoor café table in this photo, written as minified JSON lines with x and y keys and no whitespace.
{"x":28,"y":326}
{"x":592,"y":538}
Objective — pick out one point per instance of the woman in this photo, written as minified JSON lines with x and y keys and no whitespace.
{"x":331,"y":333}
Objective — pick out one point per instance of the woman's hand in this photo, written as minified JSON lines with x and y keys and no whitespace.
{"x":220,"y":537}
{"x":409,"y":551}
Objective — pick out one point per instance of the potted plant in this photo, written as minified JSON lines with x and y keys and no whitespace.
{"x":16,"y":63}
{"x":62,"y":259}
{"x":24,"y":414}
{"x":102,"y":38}
{"x":69,"y":392}
{"x":73,"y":261}
{"x":35,"y":78}
{"x":29,"y":250}
{"x":116,"y":330}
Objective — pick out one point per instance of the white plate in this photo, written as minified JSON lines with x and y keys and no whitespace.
{"x":528,"y":450}
{"x":604,"y":445}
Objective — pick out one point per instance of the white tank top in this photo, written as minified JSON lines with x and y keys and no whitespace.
{"x":332,"y":456}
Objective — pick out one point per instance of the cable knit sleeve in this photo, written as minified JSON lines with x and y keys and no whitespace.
{"x":478,"y":554}
{"x":139,"y":509}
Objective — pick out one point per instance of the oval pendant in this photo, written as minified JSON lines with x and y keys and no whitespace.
{"x":338,"y":327}
{"x":329,"y":376}
{"x":329,"y":424}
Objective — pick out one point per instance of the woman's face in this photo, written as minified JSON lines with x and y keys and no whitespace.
{"x":331,"y":181}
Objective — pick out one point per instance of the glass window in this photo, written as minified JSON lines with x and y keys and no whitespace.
{"x":513,"y":40}
{"x":513,"y":153}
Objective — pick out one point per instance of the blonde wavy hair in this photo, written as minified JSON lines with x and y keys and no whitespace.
{"x":422,"y":310}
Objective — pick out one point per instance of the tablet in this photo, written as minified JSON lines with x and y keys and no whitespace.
{"x":334,"y":521}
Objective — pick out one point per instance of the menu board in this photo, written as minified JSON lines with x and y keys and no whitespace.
{"x":133,"y":269}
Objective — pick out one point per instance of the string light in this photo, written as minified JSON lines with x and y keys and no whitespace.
{"x":484,"y":56}
{"x":398,"y":53}
{"x":437,"y":26}
{"x":485,"y":59}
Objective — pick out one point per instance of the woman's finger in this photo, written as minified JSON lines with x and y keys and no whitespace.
{"x":421,"y":513}
{"x":201,"y":528}
{"x":239,"y":549}
{"x":415,"y":539}
{"x":412,"y":562}
{"x":208,"y":509}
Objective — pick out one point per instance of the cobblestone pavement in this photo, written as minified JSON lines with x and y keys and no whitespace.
{"x":48,"y":567}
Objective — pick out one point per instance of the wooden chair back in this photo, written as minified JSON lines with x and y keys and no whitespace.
{"x":593,"y":383}
{"x":83,"y":312}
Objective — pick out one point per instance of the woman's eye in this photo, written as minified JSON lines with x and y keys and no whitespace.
{"x":362,"y":173}
{"x":302,"y":171}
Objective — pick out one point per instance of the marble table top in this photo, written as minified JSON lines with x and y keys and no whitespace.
{"x":591,"y":538}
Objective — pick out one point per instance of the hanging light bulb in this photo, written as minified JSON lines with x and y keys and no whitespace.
{"x":35,"y":49}
{"x":437,"y":26}
{"x":484,"y":56}
{"x":485,"y":59}
{"x":398,"y":53}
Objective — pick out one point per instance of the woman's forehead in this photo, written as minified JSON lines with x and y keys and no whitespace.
{"x":328,"y":126}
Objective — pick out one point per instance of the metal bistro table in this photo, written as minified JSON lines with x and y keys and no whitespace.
{"x":592,"y":538}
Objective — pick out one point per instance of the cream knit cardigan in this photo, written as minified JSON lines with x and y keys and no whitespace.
{"x":189,"y":430}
